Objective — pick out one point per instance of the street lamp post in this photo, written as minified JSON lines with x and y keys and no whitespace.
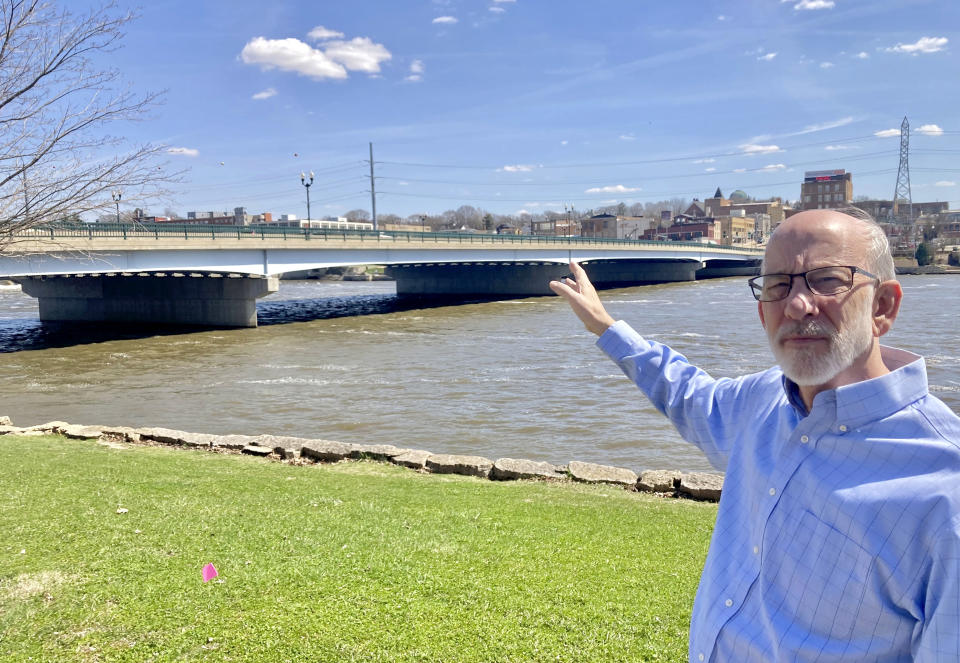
{"x":117,"y":195}
{"x":306,"y":184}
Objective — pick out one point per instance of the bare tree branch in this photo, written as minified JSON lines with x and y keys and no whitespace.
{"x":56,"y":103}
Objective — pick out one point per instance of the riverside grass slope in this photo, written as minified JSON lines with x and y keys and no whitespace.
{"x":356,"y":561}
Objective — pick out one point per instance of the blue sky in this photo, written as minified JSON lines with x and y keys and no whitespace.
{"x":513,"y":105}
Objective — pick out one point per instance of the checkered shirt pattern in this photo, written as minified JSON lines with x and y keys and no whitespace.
{"x":838,"y":533}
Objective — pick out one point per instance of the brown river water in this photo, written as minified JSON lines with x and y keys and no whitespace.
{"x":347,"y":361}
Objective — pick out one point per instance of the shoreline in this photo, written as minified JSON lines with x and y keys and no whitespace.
{"x":301,"y":451}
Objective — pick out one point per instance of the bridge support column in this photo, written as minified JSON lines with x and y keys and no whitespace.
{"x":209,"y":301}
{"x":481,"y":280}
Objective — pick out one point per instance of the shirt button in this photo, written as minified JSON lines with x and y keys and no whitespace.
{"x":700,"y":656}
{"x":773,"y":491}
{"x":843,"y":429}
{"x":728,"y":603}
{"x":756,"y":550}
{"x":804,"y":439}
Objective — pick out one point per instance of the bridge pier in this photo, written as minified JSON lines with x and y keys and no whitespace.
{"x":201,"y":300}
{"x":494,"y":279}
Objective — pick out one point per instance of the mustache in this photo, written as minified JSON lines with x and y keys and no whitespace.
{"x":806,"y":328}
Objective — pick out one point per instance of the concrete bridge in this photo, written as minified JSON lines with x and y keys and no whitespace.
{"x":212,"y":276}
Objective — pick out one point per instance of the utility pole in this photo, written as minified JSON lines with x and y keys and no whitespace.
{"x":305,"y":183}
{"x":373,"y":191}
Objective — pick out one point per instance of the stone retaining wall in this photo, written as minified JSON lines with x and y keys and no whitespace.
{"x":694,"y":485}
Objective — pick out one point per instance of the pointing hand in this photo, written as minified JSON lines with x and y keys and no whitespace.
{"x":583,"y":299}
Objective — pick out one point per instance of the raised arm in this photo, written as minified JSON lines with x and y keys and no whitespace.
{"x":583,"y":299}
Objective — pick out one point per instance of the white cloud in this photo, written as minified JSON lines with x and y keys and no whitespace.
{"x":564,"y":142}
{"x":944,"y":183}
{"x":767,"y":57}
{"x":265,"y":94}
{"x":522,"y":211}
{"x":183,"y":151}
{"x":319,"y":33}
{"x":627,"y":137}
{"x":291,"y":55}
{"x":709,"y":170}
{"x":922,"y":45}
{"x":826,"y":65}
{"x":772,"y":167}
{"x":739,"y":170}
{"x":358,"y":54}
{"x":500,"y":2}
{"x":823,"y":126}
{"x":721,"y":17}
{"x":838,"y":148}
{"x":497,"y":10}
{"x":812,"y":4}
{"x":760,"y":149}
{"x":862,"y":55}
{"x":616,"y":188}
{"x":929,"y":130}
{"x":516,"y":168}
{"x":887,"y":133}
{"x":416,"y":71}
{"x":708,"y":160}
{"x":445,"y":19}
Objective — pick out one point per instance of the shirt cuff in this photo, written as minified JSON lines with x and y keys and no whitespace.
{"x":621,"y":340}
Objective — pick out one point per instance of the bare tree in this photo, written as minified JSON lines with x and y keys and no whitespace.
{"x":56,"y":104}
{"x":357,"y":215}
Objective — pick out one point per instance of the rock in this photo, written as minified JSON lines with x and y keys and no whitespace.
{"x":231,"y":441}
{"x":285,"y":446}
{"x":377,"y":451}
{"x":474,"y":466}
{"x":701,"y":485}
{"x":256,"y":450}
{"x":5,"y":421}
{"x":49,"y":427}
{"x":414,"y":458}
{"x":11,"y":430}
{"x":511,"y":468}
{"x":659,"y":481}
{"x":77,"y":432}
{"x":593,"y":473}
{"x":179,"y":437}
{"x":119,"y":434}
{"x":326,"y":450}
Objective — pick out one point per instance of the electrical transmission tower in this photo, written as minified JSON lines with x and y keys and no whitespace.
{"x":902,"y":193}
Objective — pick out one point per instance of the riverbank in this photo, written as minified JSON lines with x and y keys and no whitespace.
{"x":358,"y":561}
{"x":295,"y":450}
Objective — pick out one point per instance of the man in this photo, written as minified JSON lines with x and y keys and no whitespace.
{"x":838,"y":533}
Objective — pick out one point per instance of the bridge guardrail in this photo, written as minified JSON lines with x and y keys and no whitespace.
{"x":203,"y":231}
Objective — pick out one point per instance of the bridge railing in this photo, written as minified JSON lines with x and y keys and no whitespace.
{"x":263,"y":232}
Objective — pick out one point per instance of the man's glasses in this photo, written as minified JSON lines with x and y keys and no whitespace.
{"x":832,"y":280}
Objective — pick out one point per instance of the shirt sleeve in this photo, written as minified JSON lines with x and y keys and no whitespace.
{"x":939,"y":638}
{"x":707,"y":412}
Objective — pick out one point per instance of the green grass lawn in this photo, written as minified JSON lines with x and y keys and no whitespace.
{"x":357,"y":561}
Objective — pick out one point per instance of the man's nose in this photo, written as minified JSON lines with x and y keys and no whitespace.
{"x":800,"y":302}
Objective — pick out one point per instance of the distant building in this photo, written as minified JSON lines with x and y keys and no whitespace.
{"x":826,"y":189}
{"x":883,"y":209}
{"x":718,"y":206}
{"x":613,"y":227}
{"x":686,"y":228}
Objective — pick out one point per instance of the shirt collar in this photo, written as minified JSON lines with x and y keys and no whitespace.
{"x":872,"y":399}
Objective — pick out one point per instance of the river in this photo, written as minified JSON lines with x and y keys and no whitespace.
{"x":346,"y":361}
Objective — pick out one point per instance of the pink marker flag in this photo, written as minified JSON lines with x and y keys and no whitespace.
{"x":209,"y":572}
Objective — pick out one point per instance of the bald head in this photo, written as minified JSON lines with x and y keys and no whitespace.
{"x":850,"y":237}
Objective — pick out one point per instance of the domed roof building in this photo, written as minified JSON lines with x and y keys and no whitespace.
{"x":739,"y":196}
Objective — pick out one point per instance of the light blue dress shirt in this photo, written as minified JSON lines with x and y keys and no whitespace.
{"x":838,"y":532}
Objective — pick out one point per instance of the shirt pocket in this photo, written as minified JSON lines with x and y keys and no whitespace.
{"x":816,"y":581}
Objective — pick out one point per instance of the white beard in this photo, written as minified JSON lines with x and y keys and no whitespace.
{"x":810,"y":367}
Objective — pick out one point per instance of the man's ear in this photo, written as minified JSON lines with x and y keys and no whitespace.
{"x":886,"y":306}
{"x":763,"y":322}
